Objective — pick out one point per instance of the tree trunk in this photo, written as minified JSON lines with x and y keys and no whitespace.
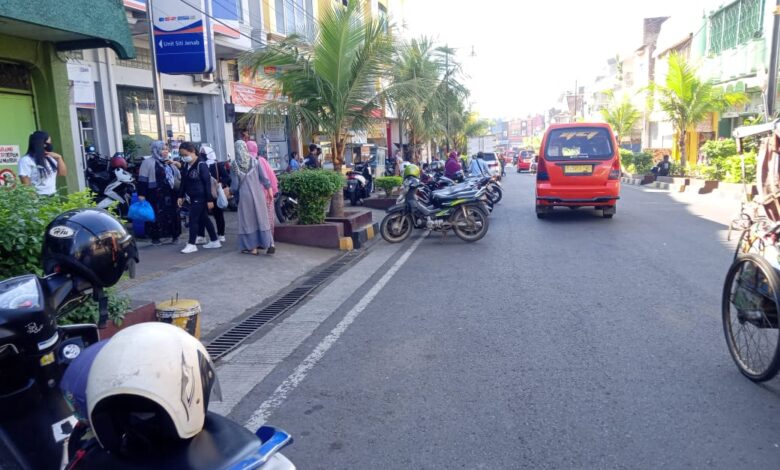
{"x":337,"y":201}
{"x":681,"y":144}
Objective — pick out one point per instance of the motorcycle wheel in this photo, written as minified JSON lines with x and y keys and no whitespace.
{"x":353,"y":198}
{"x":495,"y":194}
{"x":396,"y":227}
{"x":286,"y":211}
{"x":472,"y":228}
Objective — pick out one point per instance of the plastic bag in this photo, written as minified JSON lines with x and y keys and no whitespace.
{"x":142,"y":211}
{"x":222,"y":200}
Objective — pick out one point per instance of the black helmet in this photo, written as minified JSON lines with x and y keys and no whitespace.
{"x":89,"y":243}
{"x":437,"y":166}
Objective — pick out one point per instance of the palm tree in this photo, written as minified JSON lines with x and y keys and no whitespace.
{"x":333,"y":83}
{"x":687,"y":100}
{"x":621,"y":115}
{"x":419,"y":64}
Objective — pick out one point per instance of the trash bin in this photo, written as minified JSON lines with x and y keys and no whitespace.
{"x":184,"y":313}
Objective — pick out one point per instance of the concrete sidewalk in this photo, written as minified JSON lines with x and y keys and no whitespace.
{"x":225,"y":281}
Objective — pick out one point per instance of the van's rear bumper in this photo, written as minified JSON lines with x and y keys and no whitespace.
{"x":578,"y":196}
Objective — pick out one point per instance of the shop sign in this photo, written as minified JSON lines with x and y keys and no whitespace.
{"x":83,"y":87}
{"x":9,"y":155}
{"x":182,"y":37}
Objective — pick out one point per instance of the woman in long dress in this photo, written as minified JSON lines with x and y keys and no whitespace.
{"x":270,"y":193}
{"x":254,"y":227}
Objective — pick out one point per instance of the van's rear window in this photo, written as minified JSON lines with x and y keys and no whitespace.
{"x":574,"y":143}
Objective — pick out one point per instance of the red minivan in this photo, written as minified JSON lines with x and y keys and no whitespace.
{"x":579,"y":166}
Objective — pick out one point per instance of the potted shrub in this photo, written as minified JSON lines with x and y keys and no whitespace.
{"x":314,"y":190}
{"x":388,"y":184}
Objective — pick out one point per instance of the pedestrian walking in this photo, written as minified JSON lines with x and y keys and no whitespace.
{"x":251,"y":145}
{"x":158,"y":183}
{"x":219,"y":172}
{"x":268,"y":175}
{"x":254,"y":227}
{"x":196,"y":187}
{"x":41,"y":166}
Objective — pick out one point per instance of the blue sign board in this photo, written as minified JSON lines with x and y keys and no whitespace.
{"x":182,"y":37}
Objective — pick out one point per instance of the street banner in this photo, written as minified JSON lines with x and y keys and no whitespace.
{"x":182,"y":37}
{"x":248,"y":95}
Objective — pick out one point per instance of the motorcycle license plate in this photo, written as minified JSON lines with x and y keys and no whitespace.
{"x":577,"y":169}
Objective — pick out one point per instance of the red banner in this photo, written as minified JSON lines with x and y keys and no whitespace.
{"x":248,"y":95}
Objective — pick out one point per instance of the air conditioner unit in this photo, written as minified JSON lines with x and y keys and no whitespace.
{"x":204,"y":78}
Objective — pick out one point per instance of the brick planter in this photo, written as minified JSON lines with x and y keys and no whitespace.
{"x":379,"y":202}
{"x":144,"y":312}
{"x":352,"y":220}
{"x":327,"y":235}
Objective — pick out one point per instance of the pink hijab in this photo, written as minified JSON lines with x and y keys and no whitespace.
{"x":251,"y":147}
{"x":269,"y":173}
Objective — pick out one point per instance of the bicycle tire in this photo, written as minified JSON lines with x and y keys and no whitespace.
{"x":741,"y":358}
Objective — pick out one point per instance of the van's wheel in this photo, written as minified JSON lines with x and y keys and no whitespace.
{"x":541,"y":212}
{"x":608,"y":212}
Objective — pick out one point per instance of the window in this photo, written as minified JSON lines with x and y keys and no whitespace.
{"x":579,"y":142}
{"x":143,"y":60}
{"x":736,"y":24}
{"x":295,"y":17}
{"x":137,"y":113}
{"x":383,"y":15}
{"x":232,"y":71}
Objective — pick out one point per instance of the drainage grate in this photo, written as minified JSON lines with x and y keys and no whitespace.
{"x":233,"y":337}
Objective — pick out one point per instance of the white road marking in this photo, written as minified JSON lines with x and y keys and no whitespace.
{"x":260,"y":415}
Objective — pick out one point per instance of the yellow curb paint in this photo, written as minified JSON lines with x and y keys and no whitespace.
{"x":345,"y":244}
{"x":370,"y":232}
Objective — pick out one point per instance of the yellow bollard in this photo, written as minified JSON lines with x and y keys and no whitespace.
{"x":184,"y":313}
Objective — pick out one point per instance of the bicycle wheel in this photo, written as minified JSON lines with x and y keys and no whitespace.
{"x":750,"y":319}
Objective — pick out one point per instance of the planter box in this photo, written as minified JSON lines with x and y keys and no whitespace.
{"x":327,"y":235}
{"x":700,"y":186}
{"x":143,"y":312}
{"x":352,"y":220}
{"x":382,"y":203}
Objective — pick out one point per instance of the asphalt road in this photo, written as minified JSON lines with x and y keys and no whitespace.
{"x":570,"y":342}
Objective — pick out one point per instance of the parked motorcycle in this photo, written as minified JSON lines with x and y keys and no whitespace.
{"x":86,"y":251}
{"x":110,"y":180}
{"x":359,"y":183}
{"x":459,"y":209}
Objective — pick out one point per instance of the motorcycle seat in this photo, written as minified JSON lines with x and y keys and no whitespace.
{"x":445,"y":195}
{"x":221,"y":444}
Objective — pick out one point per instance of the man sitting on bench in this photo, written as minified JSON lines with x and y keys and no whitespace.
{"x":663,"y":167}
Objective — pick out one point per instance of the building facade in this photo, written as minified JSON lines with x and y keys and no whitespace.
{"x":37,"y":84}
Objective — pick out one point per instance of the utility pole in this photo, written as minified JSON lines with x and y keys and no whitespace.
{"x":158,"y":90}
{"x":576,"y":93}
{"x":771,"y":89}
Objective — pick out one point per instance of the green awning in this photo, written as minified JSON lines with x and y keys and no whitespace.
{"x":71,"y":24}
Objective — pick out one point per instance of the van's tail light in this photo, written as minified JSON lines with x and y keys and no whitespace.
{"x":541,"y":171}
{"x":614,"y":173}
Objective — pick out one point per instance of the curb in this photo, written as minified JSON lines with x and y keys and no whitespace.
{"x":346,"y":243}
{"x":362,"y":235}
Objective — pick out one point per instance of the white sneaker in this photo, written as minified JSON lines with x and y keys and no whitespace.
{"x":201,"y":241}
{"x":189,"y":249}
{"x":222,"y":239}
{"x":214,"y":244}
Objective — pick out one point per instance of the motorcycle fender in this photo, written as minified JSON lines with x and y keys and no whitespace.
{"x":396,"y":208}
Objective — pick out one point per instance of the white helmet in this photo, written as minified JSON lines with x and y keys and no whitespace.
{"x":151,"y":383}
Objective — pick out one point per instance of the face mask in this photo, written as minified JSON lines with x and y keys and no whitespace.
{"x":48,"y":147}
{"x":186,"y":159}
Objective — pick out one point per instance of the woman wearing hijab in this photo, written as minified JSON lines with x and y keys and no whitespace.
{"x":254,"y":227}
{"x":157,"y":180}
{"x":220,"y":173}
{"x":271,"y":191}
{"x":40,"y":167}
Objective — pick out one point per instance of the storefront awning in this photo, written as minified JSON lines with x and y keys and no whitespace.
{"x":72,"y":24}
